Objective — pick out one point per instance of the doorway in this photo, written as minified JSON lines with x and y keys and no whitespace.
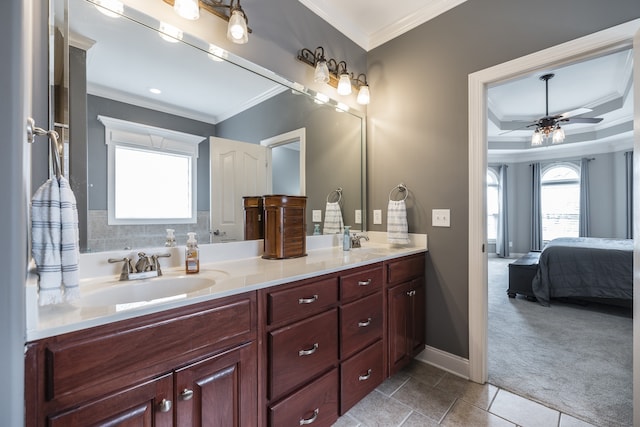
{"x":598,"y":43}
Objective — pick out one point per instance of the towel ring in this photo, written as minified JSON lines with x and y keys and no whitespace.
{"x":401,"y":188}
{"x":338,"y":193}
{"x":54,"y":147}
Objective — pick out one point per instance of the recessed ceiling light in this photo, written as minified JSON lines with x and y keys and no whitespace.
{"x":155,"y":90}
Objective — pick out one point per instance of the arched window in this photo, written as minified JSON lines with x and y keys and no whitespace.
{"x":493,"y":205}
{"x":560,"y":201}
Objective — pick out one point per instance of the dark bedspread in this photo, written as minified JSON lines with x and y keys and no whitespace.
{"x":585,"y":267}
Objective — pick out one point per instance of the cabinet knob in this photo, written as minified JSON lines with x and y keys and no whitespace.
{"x":308,"y":352}
{"x":305,"y":421}
{"x":308,"y":300}
{"x":364,"y":282}
{"x":364,"y":324}
{"x":186,"y":394}
{"x":411,"y":292}
{"x":365,"y":376}
{"x":164,"y":405}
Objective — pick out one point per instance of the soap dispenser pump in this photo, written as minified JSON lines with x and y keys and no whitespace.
{"x":346,"y":238}
{"x":192,"y":255}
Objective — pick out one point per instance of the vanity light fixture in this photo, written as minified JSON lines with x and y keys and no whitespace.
{"x":170,"y":33}
{"x":110,"y":8}
{"x":232,"y":12}
{"x":335,"y":74}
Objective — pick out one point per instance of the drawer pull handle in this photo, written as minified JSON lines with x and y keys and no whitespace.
{"x":364,"y":324}
{"x":186,"y":394}
{"x":364,"y":283}
{"x":365,"y":376}
{"x":164,"y":405}
{"x":411,"y":293}
{"x":308,"y":300}
{"x":308,"y":352}
{"x":305,"y":421}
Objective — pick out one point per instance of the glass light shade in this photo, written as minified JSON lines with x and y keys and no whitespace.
{"x":321,"y":74}
{"x":170,"y":33}
{"x":363,"y":95}
{"x":237,"y":30}
{"x":188,"y":9}
{"x":110,"y":8}
{"x":536,"y":139}
{"x":558,"y":135}
{"x":344,"y":84}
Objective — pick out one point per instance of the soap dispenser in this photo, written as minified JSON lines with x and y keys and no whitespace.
{"x":346,"y":238}
{"x":192,"y":255}
{"x":171,"y":238}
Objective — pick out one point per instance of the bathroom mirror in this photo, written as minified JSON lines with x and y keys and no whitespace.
{"x":114,"y":62}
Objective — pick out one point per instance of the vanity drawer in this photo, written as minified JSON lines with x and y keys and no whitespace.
{"x":300,"y":351}
{"x":302,"y":300}
{"x":360,"y":323}
{"x":315,"y":404}
{"x":405,"y":268}
{"x":360,"y":375}
{"x":360,"y":283}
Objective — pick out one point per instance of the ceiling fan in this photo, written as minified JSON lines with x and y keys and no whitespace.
{"x":550,"y":125}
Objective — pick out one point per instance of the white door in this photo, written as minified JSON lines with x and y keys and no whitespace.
{"x":238,"y":169}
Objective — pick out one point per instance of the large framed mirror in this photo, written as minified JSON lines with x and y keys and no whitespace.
{"x":132,"y":87}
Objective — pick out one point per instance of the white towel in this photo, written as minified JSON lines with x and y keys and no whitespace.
{"x":54,"y":241}
{"x":333,"y":219}
{"x":397,"y":225}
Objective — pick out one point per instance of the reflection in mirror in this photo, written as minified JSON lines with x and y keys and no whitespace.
{"x":114,"y":63}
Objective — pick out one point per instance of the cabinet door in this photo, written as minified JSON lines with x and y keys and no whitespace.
{"x":219,"y":391}
{"x":399,"y":328}
{"x":418,"y":302}
{"x":145,"y":405}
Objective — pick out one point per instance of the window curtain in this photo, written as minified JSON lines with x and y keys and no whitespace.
{"x":502,"y":240}
{"x":536,"y":210}
{"x":628,"y":163}
{"x":584,"y":198}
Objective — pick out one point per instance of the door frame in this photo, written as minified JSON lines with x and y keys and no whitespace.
{"x":599,"y":43}
{"x":297,"y":135}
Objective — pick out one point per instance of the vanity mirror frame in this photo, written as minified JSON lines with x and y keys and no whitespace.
{"x":77,"y":161}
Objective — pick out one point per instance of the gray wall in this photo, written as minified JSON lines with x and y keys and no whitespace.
{"x":418,"y":124}
{"x":606,"y":194}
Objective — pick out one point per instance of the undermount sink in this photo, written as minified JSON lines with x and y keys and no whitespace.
{"x":135,"y":293}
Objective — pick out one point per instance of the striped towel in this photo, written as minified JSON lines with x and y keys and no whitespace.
{"x":54,"y":241}
{"x":333,"y":219}
{"x":397,"y":226}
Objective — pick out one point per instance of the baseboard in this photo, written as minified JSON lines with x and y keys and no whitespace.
{"x":445,"y":361}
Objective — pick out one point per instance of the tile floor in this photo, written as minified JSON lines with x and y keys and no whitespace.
{"x":425,"y":396}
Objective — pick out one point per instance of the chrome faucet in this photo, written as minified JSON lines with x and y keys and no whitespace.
{"x":126,"y":267}
{"x":144,"y":268}
{"x":356,"y":238}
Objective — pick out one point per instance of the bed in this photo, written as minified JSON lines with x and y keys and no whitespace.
{"x":585,"y":267}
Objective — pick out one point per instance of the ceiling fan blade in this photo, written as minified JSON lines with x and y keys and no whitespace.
{"x":584,"y":120}
{"x":516,"y":126}
{"x":576,"y":112}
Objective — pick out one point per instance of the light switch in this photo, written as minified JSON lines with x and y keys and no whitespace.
{"x":358,"y":216}
{"x":316,"y":215}
{"x":377,"y":216}
{"x":441,"y":217}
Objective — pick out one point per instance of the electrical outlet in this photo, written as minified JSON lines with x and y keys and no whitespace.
{"x":377,"y":216}
{"x":441,"y":218}
{"x":316,"y":215}
{"x":358,"y":216}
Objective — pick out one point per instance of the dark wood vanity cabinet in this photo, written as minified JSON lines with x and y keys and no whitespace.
{"x":406,"y":300}
{"x":190,"y":366}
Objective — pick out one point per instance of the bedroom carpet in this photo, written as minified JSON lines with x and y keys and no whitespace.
{"x":576,"y":359}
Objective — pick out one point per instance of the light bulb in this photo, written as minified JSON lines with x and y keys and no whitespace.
{"x":110,"y":8}
{"x":344,"y":84}
{"x":188,"y":9}
{"x":170,"y":33}
{"x":237,"y":30}
{"x":363,"y":95}
{"x":321,"y":74}
{"x":558,"y":135}
{"x":536,"y":139}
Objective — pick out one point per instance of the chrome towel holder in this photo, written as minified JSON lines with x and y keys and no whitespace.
{"x":338,"y":193}
{"x":54,"y":160}
{"x":401,"y":190}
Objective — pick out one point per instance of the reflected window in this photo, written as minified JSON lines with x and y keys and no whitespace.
{"x":152,"y":174}
{"x":560,"y":201}
{"x":493,"y":206}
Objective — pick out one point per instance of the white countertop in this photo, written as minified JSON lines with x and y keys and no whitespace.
{"x":232,"y":276}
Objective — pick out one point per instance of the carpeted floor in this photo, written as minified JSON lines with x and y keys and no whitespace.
{"x":576,"y":359}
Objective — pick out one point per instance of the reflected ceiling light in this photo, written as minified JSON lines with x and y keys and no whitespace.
{"x":237,"y":30}
{"x":110,"y":8}
{"x":342,"y":108}
{"x":170,"y":33}
{"x":155,"y":91}
{"x":217,"y":53}
{"x":321,"y":98}
{"x":335,"y":74}
{"x":188,"y":9}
